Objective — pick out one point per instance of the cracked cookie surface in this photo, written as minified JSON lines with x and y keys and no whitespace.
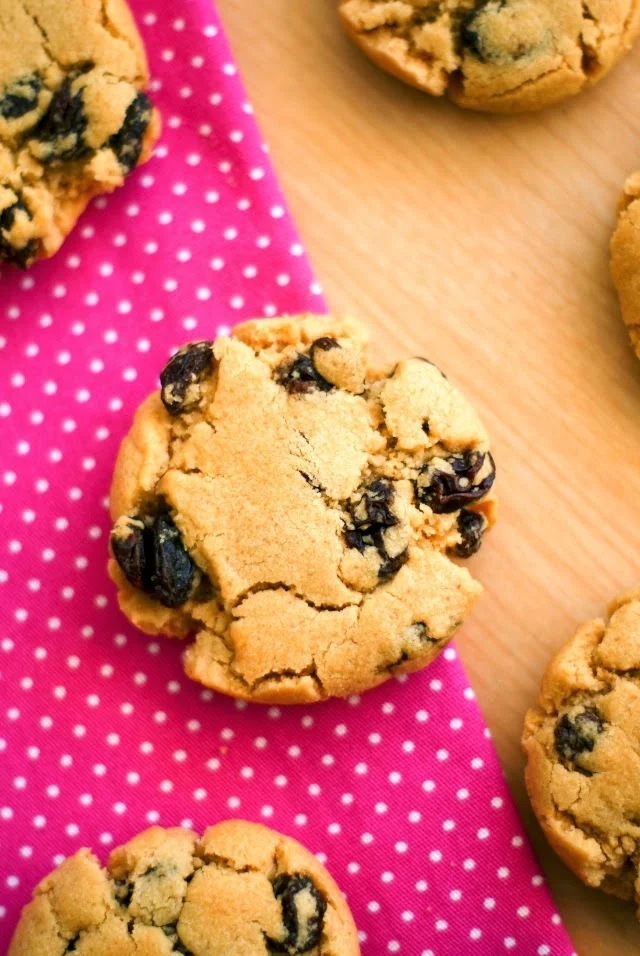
{"x":497,"y":55}
{"x":583,"y":749}
{"x":625,"y":257}
{"x":74,"y":117}
{"x":299,"y":511}
{"x":240,"y":890}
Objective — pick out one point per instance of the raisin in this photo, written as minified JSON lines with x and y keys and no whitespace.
{"x":128,"y":546}
{"x":124,"y":892}
{"x":171,"y":930}
{"x":303,"y":909}
{"x":71,"y":945}
{"x":370,"y":518}
{"x":476,"y":36}
{"x":577,"y":735}
{"x":154,"y":559}
{"x":301,"y":376}
{"x":183,"y":373}
{"x":173,"y":569}
{"x":63,"y":125}
{"x":22,"y":256}
{"x":447,"y":491}
{"x":20,"y":97}
{"x":127,"y":142}
{"x":471,"y":526}
{"x":391,"y":566}
{"x":325,"y":344}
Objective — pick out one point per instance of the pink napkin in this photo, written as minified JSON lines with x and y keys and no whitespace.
{"x":399,"y":792}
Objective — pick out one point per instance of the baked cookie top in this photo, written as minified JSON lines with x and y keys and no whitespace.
{"x":498,"y":55}
{"x":241,"y":890}
{"x":74,"y":119}
{"x":583,"y":748}
{"x":300,"y":510}
{"x":625,"y":257}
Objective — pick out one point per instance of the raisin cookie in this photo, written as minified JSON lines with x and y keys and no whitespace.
{"x":583,"y":749}
{"x":497,"y":55}
{"x":74,"y":119}
{"x":625,"y":257}
{"x":298,"y":510}
{"x":241,"y":890}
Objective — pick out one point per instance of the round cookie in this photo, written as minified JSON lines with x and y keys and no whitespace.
{"x":583,"y":749}
{"x":625,"y":257}
{"x":74,"y":120}
{"x":498,"y":55}
{"x":241,"y":890}
{"x":298,"y":510}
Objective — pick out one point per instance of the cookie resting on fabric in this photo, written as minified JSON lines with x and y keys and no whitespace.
{"x":583,"y":749}
{"x":74,"y":117}
{"x":497,"y":55}
{"x":625,"y":257}
{"x":241,"y":890}
{"x":299,"y":511}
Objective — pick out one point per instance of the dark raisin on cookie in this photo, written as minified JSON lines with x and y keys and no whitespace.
{"x":17,"y":256}
{"x":154,"y":559}
{"x":128,"y":546}
{"x":369,"y":519}
{"x":325,"y":344}
{"x":123,"y":892}
{"x":303,"y":909}
{"x":171,"y":931}
{"x":20,"y":97}
{"x":471,"y":526}
{"x":127,"y":142}
{"x":371,"y":516}
{"x":478,"y":26}
{"x":71,"y":945}
{"x":391,"y":566}
{"x":577,"y":735}
{"x":447,"y":491}
{"x":301,"y":376}
{"x":173,"y":569}
{"x":63,"y":125}
{"x":182,"y":375}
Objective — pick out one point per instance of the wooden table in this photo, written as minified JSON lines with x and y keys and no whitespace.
{"x":482,"y":243}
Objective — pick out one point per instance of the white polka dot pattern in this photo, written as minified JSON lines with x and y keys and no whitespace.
{"x":400,"y":793}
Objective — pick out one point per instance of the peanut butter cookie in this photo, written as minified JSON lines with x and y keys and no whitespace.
{"x":299,"y":511}
{"x":74,"y":119}
{"x":583,"y":749}
{"x":497,"y":55}
{"x":241,"y":890}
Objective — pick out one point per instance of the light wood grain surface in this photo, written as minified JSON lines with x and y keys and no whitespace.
{"x":482,"y":243}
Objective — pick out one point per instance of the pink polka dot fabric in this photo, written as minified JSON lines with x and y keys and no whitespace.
{"x":400,"y":791}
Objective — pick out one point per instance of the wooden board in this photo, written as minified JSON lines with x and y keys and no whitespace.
{"x":482,"y":243}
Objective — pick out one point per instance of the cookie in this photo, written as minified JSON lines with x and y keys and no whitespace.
{"x":625,"y":257}
{"x":299,"y":511}
{"x":499,"y":55}
{"x":241,"y":890}
{"x":583,"y":749}
{"x":74,"y":117}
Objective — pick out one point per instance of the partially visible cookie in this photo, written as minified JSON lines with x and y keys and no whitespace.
{"x":583,"y":751}
{"x":241,"y":890}
{"x":499,"y":55}
{"x":625,"y":257}
{"x":300,"y":511}
{"x":74,"y":117}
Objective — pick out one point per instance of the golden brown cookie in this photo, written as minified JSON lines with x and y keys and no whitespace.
{"x":74,"y":120}
{"x":241,"y":890}
{"x":499,"y":55}
{"x":583,"y":749}
{"x":299,"y":511}
{"x":625,"y":257}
